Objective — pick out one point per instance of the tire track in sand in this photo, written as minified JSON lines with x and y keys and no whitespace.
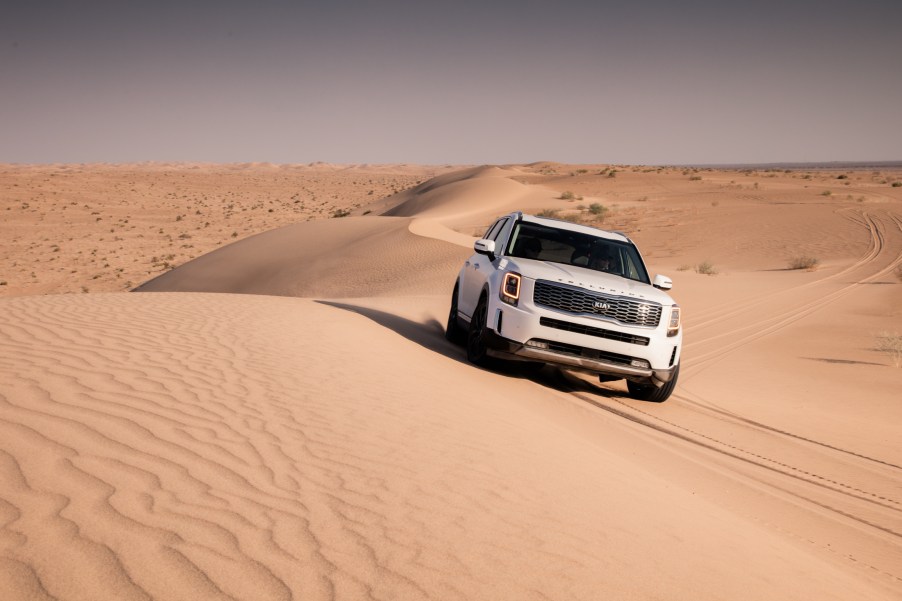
{"x":877,"y":262}
{"x":847,"y":484}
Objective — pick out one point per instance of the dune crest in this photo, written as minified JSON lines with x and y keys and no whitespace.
{"x":481,"y":191}
{"x":354,"y":256}
{"x":364,"y":256}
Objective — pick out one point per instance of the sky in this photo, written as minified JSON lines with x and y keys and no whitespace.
{"x":463,"y":82}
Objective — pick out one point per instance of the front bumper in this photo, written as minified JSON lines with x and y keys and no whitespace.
{"x":529,"y":332}
{"x":508,"y":349}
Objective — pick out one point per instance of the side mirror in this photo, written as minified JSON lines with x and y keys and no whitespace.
{"x":663,"y":282}
{"x":485,"y":247}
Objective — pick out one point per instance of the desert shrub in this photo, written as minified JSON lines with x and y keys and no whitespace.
{"x":684,"y":267}
{"x":705,"y":268}
{"x":551,"y":213}
{"x":568,"y":195}
{"x":897,"y":184}
{"x":340,"y":213}
{"x":804,"y":262}
{"x":892,"y":345}
{"x":826,"y":193}
{"x":599,"y":210}
{"x":695,"y":178}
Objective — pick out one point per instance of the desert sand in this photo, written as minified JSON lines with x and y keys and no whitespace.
{"x":275,"y":414}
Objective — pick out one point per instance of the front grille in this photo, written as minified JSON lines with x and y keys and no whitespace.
{"x":580,"y":302}
{"x":588,"y":353}
{"x":557,"y":324}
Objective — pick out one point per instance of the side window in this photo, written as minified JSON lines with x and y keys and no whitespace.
{"x":492,"y":232}
{"x":504,"y":234}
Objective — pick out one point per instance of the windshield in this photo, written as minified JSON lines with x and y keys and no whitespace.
{"x":534,"y":241}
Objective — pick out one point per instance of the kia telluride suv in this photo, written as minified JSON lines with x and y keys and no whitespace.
{"x":550,"y":291}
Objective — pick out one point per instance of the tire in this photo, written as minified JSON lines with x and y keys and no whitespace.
{"x":453,"y":332}
{"x":477,"y":350}
{"x":650,"y":392}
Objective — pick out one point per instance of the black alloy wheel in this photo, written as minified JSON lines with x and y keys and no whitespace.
{"x":477,"y":350}
{"x":453,"y":331}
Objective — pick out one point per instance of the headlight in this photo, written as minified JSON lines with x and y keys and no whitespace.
{"x":673,"y":328}
{"x":510,"y":288}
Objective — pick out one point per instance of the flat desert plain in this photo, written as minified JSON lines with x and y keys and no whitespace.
{"x":275,"y":413}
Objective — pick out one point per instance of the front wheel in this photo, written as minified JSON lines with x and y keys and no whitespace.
{"x":453,"y":331}
{"x":650,"y":392}
{"x":477,"y":349}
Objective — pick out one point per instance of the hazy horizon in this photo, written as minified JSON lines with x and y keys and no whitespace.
{"x":654,"y":83}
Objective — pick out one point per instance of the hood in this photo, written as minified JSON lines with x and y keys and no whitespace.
{"x":598,"y":281}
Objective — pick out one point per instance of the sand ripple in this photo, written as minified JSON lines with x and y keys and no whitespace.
{"x":200,"y":446}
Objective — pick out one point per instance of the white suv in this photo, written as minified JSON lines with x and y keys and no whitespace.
{"x":555,"y":292}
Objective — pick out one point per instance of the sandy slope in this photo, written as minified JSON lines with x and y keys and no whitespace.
{"x":192,"y":445}
{"x":355,"y":256}
{"x":254,"y":448}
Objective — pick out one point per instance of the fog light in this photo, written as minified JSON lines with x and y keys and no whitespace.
{"x":640,"y":363}
{"x":537,"y":344}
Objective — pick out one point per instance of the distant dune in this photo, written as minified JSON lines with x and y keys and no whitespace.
{"x":278,"y":414}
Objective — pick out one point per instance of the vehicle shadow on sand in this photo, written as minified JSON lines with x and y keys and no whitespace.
{"x":431,"y":335}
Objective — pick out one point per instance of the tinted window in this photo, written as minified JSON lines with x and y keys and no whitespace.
{"x":493,"y":231}
{"x":497,"y":229}
{"x":504,"y":232}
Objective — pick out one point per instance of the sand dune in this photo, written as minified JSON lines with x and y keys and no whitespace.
{"x":181,"y":446}
{"x":316,"y":437}
{"x":403,"y":251}
{"x":355,"y":256}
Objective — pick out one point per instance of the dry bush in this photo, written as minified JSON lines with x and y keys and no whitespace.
{"x":705,"y":268}
{"x":892,"y":345}
{"x":599,"y":211}
{"x":804,"y":262}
